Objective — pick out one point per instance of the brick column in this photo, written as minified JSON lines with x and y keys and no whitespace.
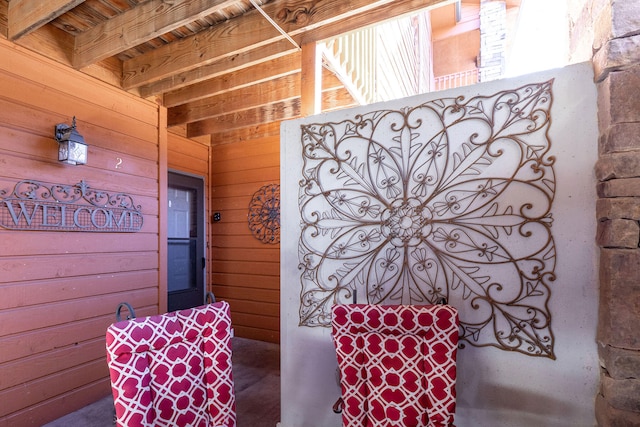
{"x":616,"y":63}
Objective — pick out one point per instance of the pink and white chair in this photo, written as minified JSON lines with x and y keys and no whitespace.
{"x":397,"y":364}
{"x":173,"y":369}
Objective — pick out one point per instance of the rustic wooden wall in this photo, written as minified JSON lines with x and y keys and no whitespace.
{"x":245,"y":155}
{"x":245,"y":271}
{"x":59,"y":290}
{"x":189,"y":156}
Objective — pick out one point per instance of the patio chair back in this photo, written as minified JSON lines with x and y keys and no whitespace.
{"x":173,"y":369}
{"x":397,"y":364}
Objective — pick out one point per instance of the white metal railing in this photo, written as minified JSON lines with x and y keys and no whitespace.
{"x":353,"y":55}
{"x":450,"y":81}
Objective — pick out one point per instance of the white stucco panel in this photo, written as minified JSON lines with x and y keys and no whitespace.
{"x":484,"y":195}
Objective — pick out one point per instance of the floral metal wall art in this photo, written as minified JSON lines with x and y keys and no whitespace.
{"x":449,"y":199}
{"x":264,"y":214}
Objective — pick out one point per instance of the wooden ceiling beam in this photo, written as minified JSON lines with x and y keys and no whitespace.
{"x":262,"y":132}
{"x":281,"y":47}
{"x":333,"y":98}
{"x":238,"y":35}
{"x":249,"y":94}
{"x":330,"y":81}
{"x":50,"y":42}
{"x":4,"y":13}
{"x":258,"y":95}
{"x":53,"y":43}
{"x":24,"y":16}
{"x":275,"y":112}
{"x":337,"y":98}
{"x":269,"y":70}
{"x":139,"y":25}
{"x":230,"y":53}
{"x":234,"y":36}
{"x":369,"y":18}
{"x":230,"y":64}
{"x":311,"y":87}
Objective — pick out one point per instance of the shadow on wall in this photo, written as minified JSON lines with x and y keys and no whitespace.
{"x":518,"y":405}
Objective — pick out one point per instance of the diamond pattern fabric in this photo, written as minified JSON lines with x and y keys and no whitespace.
{"x":397,"y":364}
{"x":173,"y":369}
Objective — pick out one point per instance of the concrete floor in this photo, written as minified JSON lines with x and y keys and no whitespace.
{"x":256,"y":376}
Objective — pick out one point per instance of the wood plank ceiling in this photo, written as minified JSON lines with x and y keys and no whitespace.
{"x":215,"y":64}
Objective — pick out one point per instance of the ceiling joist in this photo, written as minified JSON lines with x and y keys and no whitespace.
{"x":272,"y":69}
{"x":283,"y":88}
{"x":138,"y":25}
{"x":226,"y":65}
{"x":276,"y":112}
{"x":215,"y":64}
{"x":250,"y":31}
{"x":25,"y":16}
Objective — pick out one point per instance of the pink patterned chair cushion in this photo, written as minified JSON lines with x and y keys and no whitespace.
{"x":173,"y":369}
{"x":394,"y":372}
{"x":397,"y":364}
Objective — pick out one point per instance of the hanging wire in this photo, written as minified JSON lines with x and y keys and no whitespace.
{"x":277,"y":27}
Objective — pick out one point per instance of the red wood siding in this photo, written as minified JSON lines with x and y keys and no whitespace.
{"x":59,"y":290}
{"x":245,"y":271}
{"x":188,"y":155}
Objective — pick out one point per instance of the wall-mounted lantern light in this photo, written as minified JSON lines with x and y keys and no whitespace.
{"x":72,"y":149}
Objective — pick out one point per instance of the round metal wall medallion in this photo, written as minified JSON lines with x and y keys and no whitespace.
{"x":264,"y":214}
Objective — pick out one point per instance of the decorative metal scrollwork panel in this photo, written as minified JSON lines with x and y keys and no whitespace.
{"x":35,"y":205}
{"x":449,"y":199}
{"x":264,"y":214}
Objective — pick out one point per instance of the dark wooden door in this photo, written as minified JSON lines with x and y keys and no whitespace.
{"x":185,"y":264}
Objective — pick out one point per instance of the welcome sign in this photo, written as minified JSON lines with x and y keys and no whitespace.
{"x":34,"y":205}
